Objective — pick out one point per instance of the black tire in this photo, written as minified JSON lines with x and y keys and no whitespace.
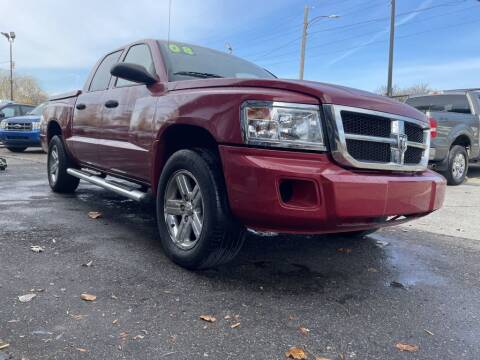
{"x":60,"y":182}
{"x":221,"y":236}
{"x":16,"y":149}
{"x":454,"y":174}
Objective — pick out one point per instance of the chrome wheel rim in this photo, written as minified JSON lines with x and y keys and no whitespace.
{"x":183,"y":209}
{"x":459,"y":166}
{"x":53,"y":164}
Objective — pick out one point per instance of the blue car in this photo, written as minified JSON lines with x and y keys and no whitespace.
{"x":20,"y":132}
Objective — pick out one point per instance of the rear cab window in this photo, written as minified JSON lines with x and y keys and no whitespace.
{"x":102,"y":76}
{"x":443,"y":103}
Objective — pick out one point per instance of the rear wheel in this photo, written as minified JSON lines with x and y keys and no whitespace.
{"x":457,"y":165}
{"x":197,"y":230}
{"x":16,"y":149}
{"x":57,"y":164}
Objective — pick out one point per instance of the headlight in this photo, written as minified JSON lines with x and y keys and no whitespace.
{"x":36,"y":125}
{"x":3,"y":124}
{"x":282,"y":125}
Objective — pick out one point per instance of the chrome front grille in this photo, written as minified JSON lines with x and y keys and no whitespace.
{"x":369,"y":139}
{"x":12,"y":126}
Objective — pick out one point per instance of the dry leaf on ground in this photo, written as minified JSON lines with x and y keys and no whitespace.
{"x":115,"y":321}
{"x":296,"y":353}
{"x":26,"y":298}
{"x":304,"y":330}
{"x":82,"y":349}
{"x":208,"y":318}
{"x":406,"y":347}
{"x":235,"y":325}
{"x":88,"y":297}
{"x":344,"y":250}
{"x":321,"y":358}
{"x":37,"y":249}
{"x":94,"y":215}
{"x":3,"y":345}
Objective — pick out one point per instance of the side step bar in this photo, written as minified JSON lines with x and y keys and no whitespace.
{"x":133,"y":194}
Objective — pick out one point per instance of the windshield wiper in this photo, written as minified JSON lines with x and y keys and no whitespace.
{"x":202,"y":75}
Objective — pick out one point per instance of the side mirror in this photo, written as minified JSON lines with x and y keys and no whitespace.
{"x":133,"y":72}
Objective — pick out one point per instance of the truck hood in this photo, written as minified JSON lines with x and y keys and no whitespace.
{"x":325,"y":93}
{"x":24,"y":119}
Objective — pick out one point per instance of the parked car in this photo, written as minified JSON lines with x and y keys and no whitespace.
{"x":224,"y":146}
{"x":20,"y":132}
{"x":455,"y":119}
{"x":9,"y":109}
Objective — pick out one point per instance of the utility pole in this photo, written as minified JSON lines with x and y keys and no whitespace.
{"x":390,"y":57}
{"x":304,"y":42}
{"x":306,"y":24}
{"x":10,"y":37}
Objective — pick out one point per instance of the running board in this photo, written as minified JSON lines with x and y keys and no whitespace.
{"x":133,"y":194}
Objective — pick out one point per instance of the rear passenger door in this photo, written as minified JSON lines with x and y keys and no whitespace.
{"x":86,"y":127}
{"x":127,"y":121}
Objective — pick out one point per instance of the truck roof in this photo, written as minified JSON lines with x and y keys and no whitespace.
{"x":446,"y":92}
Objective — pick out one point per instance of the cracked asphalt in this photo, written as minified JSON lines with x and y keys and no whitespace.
{"x":148,"y":308}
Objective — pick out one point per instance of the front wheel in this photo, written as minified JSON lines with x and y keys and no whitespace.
{"x":457,"y":165}
{"x":57,"y":164}
{"x":197,"y":230}
{"x":16,"y":149}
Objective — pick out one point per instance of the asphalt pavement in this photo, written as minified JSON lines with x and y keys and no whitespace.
{"x":334,"y":298}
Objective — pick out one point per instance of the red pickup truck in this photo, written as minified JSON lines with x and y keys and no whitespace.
{"x":225,"y":146}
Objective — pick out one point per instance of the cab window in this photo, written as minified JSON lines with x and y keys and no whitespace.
{"x":140,"y":55}
{"x":102,"y":76}
{"x":445,"y":103}
{"x":10,"y":111}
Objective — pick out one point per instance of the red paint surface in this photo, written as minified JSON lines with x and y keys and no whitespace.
{"x":346,"y":198}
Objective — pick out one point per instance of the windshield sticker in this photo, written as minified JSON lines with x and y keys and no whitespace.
{"x":187,"y":50}
{"x":174,"y":48}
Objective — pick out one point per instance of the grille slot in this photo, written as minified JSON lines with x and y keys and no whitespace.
{"x":414,"y":132}
{"x":364,"y":124}
{"x":18,"y":126}
{"x":413,"y":155}
{"x":369,"y":151}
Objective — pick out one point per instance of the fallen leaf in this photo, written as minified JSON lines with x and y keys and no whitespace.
{"x":208,"y":318}
{"x":304,"y":330}
{"x":372,"y":270}
{"x":321,"y":358}
{"x":82,"y":349}
{"x":78,"y":317}
{"x":88,"y":264}
{"x":94,"y":215}
{"x":136,"y":337}
{"x":37,"y":249}
{"x":88,"y":297}
{"x":296,"y":353}
{"x":235,"y":325}
{"x":12,"y":321}
{"x":428,"y":332}
{"x":344,"y":250}
{"x":406,"y":347}
{"x":3,"y":345}
{"x":227,"y":317}
{"x":115,"y":321}
{"x":26,"y":298}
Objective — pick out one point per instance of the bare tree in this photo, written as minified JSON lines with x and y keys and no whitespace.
{"x":26,"y":89}
{"x":403,"y":93}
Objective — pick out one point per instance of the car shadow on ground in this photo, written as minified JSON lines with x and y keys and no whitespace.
{"x":285,"y":263}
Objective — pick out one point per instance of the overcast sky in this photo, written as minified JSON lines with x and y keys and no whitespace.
{"x":437,"y":40}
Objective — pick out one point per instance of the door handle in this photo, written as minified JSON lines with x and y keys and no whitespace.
{"x":81,"y":106}
{"x":111,"y":104}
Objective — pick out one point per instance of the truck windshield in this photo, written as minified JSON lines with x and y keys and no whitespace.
{"x":38,"y":110}
{"x":446,"y":103}
{"x":187,"y":62}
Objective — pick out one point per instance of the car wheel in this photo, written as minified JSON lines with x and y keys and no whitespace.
{"x":57,"y":164}
{"x":457,"y":165}
{"x":17,"y":149}
{"x":197,"y":230}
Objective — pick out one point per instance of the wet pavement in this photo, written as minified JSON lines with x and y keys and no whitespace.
{"x":358,"y":297}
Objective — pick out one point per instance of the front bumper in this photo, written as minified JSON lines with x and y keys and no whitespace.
{"x":297,"y":192}
{"x":20,"y":138}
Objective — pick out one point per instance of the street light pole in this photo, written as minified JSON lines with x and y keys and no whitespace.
{"x":306,"y":24}
{"x":390,"y":55}
{"x":10,"y":37}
